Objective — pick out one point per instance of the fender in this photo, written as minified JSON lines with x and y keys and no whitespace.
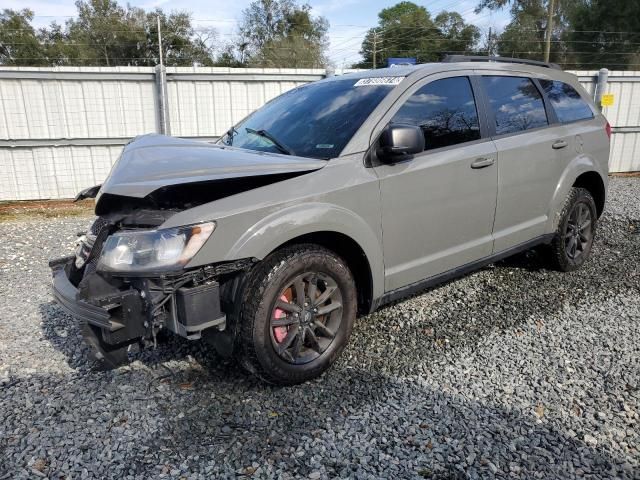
{"x":286,"y":224}
{"x":579,"y":165}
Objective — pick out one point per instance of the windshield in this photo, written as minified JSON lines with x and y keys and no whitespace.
{"x":316,"y":120}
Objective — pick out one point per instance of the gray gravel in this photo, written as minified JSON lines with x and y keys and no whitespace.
{"x":515,"y":371}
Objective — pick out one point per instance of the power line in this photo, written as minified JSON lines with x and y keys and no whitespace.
{"x":395,"y":42}
{"x":355,"y":37}
{"x":395,"y":27}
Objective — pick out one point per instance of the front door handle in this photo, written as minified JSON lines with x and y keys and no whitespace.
{"x":559,"y":144}
{"x":482,"y":162}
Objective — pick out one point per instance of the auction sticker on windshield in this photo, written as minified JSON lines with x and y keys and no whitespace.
{"x":378,"y":81}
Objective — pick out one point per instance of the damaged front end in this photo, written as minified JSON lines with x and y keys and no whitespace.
{"x":134,"y":305}
{"x":130,"y":277}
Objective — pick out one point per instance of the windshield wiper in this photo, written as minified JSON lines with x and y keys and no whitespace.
{"x":279,"y":145}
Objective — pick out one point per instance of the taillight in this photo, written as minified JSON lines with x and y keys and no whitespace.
{"x":608,"y":130}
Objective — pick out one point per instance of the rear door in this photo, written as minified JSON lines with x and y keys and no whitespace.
{"x":438,"y":207}
{"x":529,"y":156}
{"x":585,"y":133}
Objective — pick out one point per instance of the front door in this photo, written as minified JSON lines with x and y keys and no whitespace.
{"x":438,"y":207}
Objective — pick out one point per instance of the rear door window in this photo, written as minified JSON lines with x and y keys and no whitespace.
{"x":566,"y":101}
{"x":445,"y":110}
{"x":516,"y":104}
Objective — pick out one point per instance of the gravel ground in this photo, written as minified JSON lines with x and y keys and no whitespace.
{"x":515,"y":371}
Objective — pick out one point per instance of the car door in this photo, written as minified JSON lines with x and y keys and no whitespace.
{"x":438,"y":207}
{"x":530,"y":156}
{"x":583,"y":133}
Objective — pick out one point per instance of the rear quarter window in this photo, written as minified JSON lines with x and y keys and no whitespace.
{"x":566,"y":101}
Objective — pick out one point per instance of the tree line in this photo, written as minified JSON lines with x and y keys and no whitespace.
{"x":585,"y":34}
{"x":272,"y":33}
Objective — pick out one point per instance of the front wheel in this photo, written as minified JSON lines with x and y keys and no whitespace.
{"x":298,"y":310}
{"x":573,"y":240}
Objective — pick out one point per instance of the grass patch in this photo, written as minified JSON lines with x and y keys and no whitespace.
{"x":42,"y":209}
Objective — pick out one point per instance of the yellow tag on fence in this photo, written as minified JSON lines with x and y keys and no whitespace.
{"x":607,"y":100}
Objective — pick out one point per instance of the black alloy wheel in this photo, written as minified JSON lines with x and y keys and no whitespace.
{"x":573,"y":239}
{"x":306,"y":317}
{"x":578,"y":235}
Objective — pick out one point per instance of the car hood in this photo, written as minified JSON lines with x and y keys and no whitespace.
{"x":151,"y":162}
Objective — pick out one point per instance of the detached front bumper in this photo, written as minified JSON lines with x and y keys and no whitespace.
{"x":126,"y":313}
{"x":119,"y":315}
{"x":66,"y":295}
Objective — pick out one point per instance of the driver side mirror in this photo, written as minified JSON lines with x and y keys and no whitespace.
{"x":398,"y":140}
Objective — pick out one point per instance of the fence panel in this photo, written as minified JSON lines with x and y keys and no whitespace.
{"x":624,"y":116}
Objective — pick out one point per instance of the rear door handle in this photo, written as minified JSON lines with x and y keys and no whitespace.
{"x":559,"y":144}
{"x":482,"y":162}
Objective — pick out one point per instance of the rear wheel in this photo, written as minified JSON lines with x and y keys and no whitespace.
{"x":298,"y":311}
{"x":573,"y":240}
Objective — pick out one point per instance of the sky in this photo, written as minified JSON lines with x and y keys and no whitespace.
{"x":348,"y":19}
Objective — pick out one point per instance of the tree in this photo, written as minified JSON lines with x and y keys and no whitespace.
{"x":458,"y":36}
{"x":19,"y":43}
{"x":525,"y":35}
{"x":407,"y":30}
{"x":606,"y":34}
{"x":57,"y":48}
{"x":586,"y":34}
{"x":181,"y":44}
{"x":105,"y":34}
{"x":229,"y":58}
{"x":290,"y":51}
{"x":280,"y":33}
{"x":263,"y":21}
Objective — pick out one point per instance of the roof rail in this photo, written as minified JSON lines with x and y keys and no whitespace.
{"x":481,"y":58}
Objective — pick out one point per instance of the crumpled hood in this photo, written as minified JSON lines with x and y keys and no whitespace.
{"x":153,"y":161}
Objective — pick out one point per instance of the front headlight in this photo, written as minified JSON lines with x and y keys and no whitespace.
{"x":144,"y":250}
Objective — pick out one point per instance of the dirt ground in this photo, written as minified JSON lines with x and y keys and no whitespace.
{"x":45,"y":209}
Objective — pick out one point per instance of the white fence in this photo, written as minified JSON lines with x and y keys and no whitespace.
{"x":624,"y":116}
{"x":62,"y":128}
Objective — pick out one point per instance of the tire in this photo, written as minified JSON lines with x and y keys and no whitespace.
{"x":275,"y":342}
{"x":573,"y":239}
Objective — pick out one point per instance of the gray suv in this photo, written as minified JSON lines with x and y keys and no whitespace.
{"x":331,"y":200}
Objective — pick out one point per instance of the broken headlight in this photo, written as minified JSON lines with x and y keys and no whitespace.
{"x":144,"y":250}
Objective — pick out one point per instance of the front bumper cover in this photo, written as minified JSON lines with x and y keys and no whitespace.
{"x":123,"y":315}
{"x":120,"y":316}
{"x":66,"y":294}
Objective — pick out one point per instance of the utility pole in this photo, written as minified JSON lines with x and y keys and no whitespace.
{"x":161,"y":85}
{"x":375,"y":47}
{"x":489,"y":46}
{"x":160,"y":42}
{"x":547,"y":47}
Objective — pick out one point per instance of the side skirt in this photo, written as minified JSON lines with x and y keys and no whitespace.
{"x":441,"y":278}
